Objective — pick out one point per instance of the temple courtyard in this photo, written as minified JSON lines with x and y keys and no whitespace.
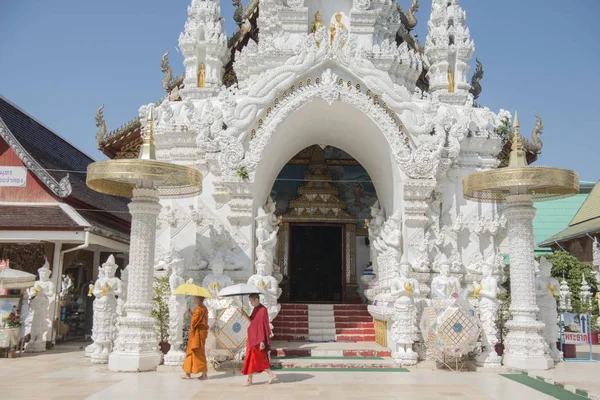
{"x":64,"y":373}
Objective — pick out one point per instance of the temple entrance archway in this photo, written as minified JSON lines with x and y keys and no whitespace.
{"x":345,"y":127}
{"x":323,"y":197}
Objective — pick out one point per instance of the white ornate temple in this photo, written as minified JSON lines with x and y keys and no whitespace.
{"x":333,"y":147}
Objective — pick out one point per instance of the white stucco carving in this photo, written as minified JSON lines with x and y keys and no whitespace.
{"x":360,"y":93}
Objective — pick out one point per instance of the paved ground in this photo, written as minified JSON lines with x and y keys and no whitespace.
{"x":582,"y":375}
{"x":63,"y":373}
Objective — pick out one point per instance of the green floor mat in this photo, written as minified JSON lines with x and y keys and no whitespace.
{"x":546,"y":388}
{"x":345,"y":370}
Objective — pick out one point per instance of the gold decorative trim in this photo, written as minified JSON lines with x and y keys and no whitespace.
{"x":381,"y":332}
{"x":120,"y":177}
{"x":543,"y":183}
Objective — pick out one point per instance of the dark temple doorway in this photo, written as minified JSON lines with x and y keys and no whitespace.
{"x":316,"y":263}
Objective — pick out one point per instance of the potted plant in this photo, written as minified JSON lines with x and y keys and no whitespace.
{"x":503,"y":317}
{"x":160,"y":312}
{"x":9,"y":334}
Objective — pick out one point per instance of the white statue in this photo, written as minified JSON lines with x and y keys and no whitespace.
{"x":89,"y":350}
{"x":216,"y":280}
{"x":585,"y":294}
{"x":444,"y":285}
{"x":106,"y":288}
{"x":266,"y":235}
{"x":404,"y":328}
{"x":564,"y":303}
{"x":487,"y":291}
{"x":66,"y":284}
{"x":389,"y":248}
{"x":221,"y":243}
{"x":374,"y":227}
{"x":270,"y":209}
{"x":596,"y":272}
{"x":39,"y":302}
{"x":177,"y":309}
{"x":123,"y":296}
{"x":269,"y":284}
{"x":546,"y":289}
{"x":596,"y":255}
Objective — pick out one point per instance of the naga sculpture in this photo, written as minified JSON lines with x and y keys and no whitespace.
{"x":238,"y":12}
{"x":100,"y":124}
{"x":477,"y":76}
{"x":409,"y":20}
{"x":535,"y":145}
{"x":169,"y":84}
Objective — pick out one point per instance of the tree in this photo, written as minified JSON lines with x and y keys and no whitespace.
{"x":160,"y":312}
{"x":564,"y":264}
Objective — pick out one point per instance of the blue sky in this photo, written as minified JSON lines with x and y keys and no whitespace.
{"x":60,"y":60}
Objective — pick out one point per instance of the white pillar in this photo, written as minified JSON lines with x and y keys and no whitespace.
{"x":57,"y":269}
{"x":525,"y":346}
{"x":95,"y":264}
{"x":136,"y":346}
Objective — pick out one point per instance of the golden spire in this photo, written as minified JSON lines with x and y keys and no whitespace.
{"x":148,"y":150}
{"x":517,"y":156}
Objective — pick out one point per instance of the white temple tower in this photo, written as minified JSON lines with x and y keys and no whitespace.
{"x":448,"y":49}
{"x":204,"y":46}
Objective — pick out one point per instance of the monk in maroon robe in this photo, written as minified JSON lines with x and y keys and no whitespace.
{"x":259,"y":343}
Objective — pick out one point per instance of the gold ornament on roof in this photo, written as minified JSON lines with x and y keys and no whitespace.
{"x":338,"y":24}
{"x":201,"y":75}
{"x":450,"y":80}
{"x":317,"y":23}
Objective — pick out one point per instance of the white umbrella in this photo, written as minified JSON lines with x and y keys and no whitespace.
{"x":15,"y":279}
{"x":240,"y":289}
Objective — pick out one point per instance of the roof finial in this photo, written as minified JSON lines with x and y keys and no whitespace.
{"x":148,"y":150}
{"x":100,"y":124}
{"x":517,"y":157}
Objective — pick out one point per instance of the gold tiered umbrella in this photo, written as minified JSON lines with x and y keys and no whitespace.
{"x":145,"y":180}
{"x":120,"y":177}
{"x":518,"y":185}
{"x":543,"y":183}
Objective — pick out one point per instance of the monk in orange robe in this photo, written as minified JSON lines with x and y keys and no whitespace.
{"x":195,"y":354}
{"x":258,"y":343}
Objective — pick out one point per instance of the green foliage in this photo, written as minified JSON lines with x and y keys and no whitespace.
{"x":504,"y":314}
{"x":243,"y":173}
{"x":564,"y":264}
{"x":504,"y":130}
{"x":161,"y":292}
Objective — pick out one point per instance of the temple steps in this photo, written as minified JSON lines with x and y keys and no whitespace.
{"x":332,"y":349}
{"x":331,"y":356}
{"x":333,"y":363}
{"x":324,"y":323}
